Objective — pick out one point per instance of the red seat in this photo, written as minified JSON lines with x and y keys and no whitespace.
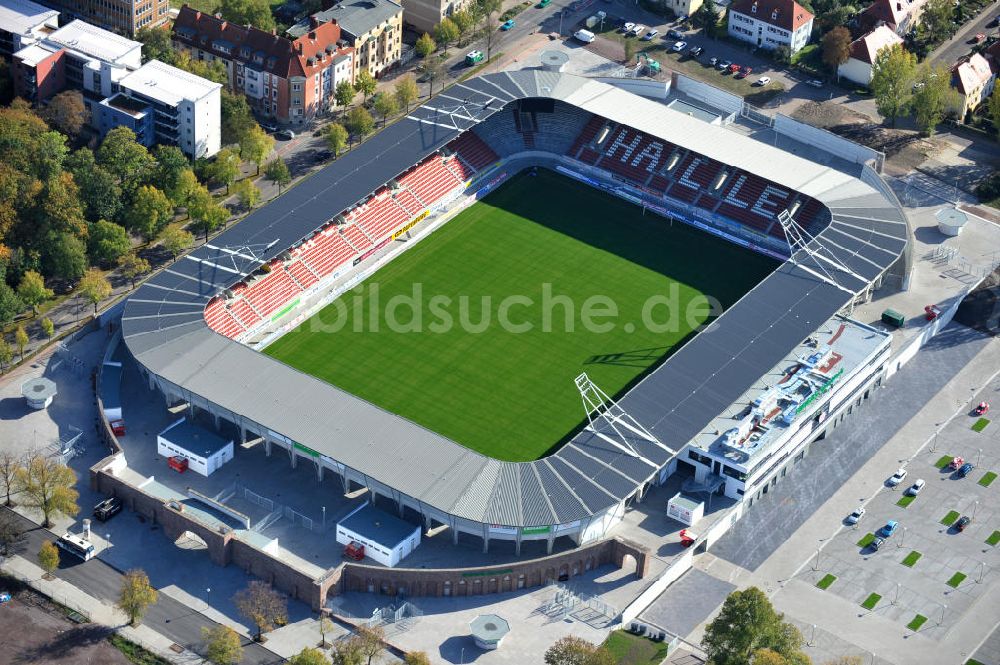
{"x":587,"y":134}
{"x":473,"y":151}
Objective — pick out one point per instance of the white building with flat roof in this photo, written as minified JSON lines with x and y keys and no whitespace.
{"x":23,"y":22}
{"x":186,"y":107}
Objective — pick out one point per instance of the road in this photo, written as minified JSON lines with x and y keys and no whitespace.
{"x":167,"y":617}
{"x":959,"y":45}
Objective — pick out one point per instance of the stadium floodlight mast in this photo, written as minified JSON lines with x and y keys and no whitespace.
{"x":607,"y":419}
{"x":801,"y":240}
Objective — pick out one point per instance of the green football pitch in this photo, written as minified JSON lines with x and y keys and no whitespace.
{"x":487,"y":354}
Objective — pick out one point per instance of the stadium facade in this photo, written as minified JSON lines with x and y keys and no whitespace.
{"x":852,"y":234}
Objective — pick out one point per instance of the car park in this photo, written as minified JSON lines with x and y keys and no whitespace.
{"x":890,"y":528}
{"x":915,"y":488}
{"x":816,"y":83}
{"x":508,"y":24}
{"x":897,"y":477}
{"x":694,"y":52}
{"x":585,"y":36}
{"x":649,"y":35}
{"x":962,"y":523}
{"x":856,"y":516}
{"x":965,"y":469}
{"x":108,"y":508}
{"x":763,"y":80}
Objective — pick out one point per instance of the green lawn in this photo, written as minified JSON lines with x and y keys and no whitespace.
{"x":509,"y":393}
{"x":993,"y":539}
{"x":944,"y":461}
{"x":980,"y":424}
{"x":629,"y":649}
{"x":973,"y":661}
{"x":950,"y":518}
{"x":826,"y":581}
{"x":988,"y":478}
{"x":912,"y":558}
{"x":866,"y":540}
{"x":956,"y":580}
{"x":871,"y":601}
{"x":917,"y":622}
{"x":134,"y":653}
{"x":904,"y":501}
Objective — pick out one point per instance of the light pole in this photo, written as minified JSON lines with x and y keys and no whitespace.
{"x":944,"y":608}
{"x":895,"y":598}
{"x":208,"y":590}
{"x":812,"y":636}
{"x":979,"y":457}
{"x":982,"y":569}
{"x":975,"y":509}
{"x":324,"y":517}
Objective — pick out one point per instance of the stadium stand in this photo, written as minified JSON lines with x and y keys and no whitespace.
{"x":555,"y":132}
{"x":473,"y":151}
{"x":379,"y":216}
{"x":355,"y":237}
{"x":406,"y":200}
{"x":430,"y":180}
{"x":268,"y":293}
{"x":221,"y":320}
{"x":501,"y":134}
{"x":302,"y":273}
{"x":587,"y":135}
{"x":325,"y":252}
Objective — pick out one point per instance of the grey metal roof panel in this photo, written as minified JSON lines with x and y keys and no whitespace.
{"x":565,"y":504}
{"x":535,"y":508}
{"x":592,"y":494}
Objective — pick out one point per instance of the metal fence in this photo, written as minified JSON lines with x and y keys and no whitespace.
{"x":275,"y":511}
{"x":581,"y":606}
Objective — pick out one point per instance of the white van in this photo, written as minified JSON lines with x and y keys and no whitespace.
{"x":585,"y":36}
{"x":78,"y":546}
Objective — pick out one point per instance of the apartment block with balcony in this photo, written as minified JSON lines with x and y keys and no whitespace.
{"x":126,"y":17}
{"x":374,"y":28}
{"x":23,"y":23}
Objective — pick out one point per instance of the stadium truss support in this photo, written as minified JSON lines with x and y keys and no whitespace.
{"x":611,"y":422}
{"x":229,"y":259}
{"x":801,"y":240}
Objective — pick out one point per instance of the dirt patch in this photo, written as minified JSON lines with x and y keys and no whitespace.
{"x":904,"y":149}
{"x":34,"y":633}
{"x":607,"y":48}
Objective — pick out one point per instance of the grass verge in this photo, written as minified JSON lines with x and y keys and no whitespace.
{"x":956,"y":580}
{"x":826,"y":581}
{"x":943,"y":461}
{"x":135,"y":653}
{"x":917,"y":622}
{"x":988,"y":478}
{"x":866,"y":540}
{"x":980,"y":424}
{"x":629,"y":649}
{"x":912,"y":558}
{"x":993,"y":539}
{"x":871,"y":601}
{"x":950,"y":518}
{"x":904,"y":501}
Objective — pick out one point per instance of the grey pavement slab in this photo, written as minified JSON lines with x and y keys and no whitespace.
{"x":988,"y":652}
{"x":687,"y":602}
{"x":847,"y":448}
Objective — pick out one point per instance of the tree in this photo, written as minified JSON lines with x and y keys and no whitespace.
{"x":10,"y":464}
{"x":187,"y":185}
{"x":706,"y":17}
{"x":108,"y":243}
{"x":277,"y":172}
{"x":10,"y":304}
{"x":783,"y":54}
{"x":365,"y":83}
{"x":21,"y":340}
{"x":156,"y":44}
{"x":994,"y":110}
{"x":417,"y":658}
{"x":226,"y":168}
{"x":67,"y":112}
{"x":577,"y":651}
{"x":132,"y":266}
{"x":236,"y":117}
{"x":344,"y":93}
{"x":126,"y":159}
{"x":149,"y":213}
{"x":769,"y":657}
{"x":64,"y":256}
{"x":255,"y":12}
{"x":484,"y":10}
{"x":336,"y":138}
{"x":892,"y":77}
{"x":206,"y":214}
{"x":247,"y":193}
{"x":371,"y":642}
{"x":933,"y":98}
{"x":406,"y":92}
{"x":222,"y":645}
{"x":6,"y":353}
{"x":95,"y":287}
{"x":262,"y":605}
{"x":348,"y":651}
{"x":385,"y":105}
{"x":359,"y":122}
{"x":47,"y":485}
{"x":32,"y":291}
{"x":433,"y":68}
{"x":48,"y":557}
{"x":256,"y":145}
{"x":48,"y":328}
{"x":425,"y":45}
{"x":936,"y":20}
{"x":171,"y":164}
{"x":175,"y":240}
{"x":136,"y":595}
{"x":309,"y":657}
{"x":100,"y":193}
{"x":446,"y":32}
{"x":12,"y":537}
{"x":836,"y":47}
{"x":746,"y":624}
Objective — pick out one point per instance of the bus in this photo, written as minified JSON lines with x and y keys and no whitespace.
{"x":77,"y":546}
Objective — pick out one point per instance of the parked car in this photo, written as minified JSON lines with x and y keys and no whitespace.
{"x":856,"y":516}
{"x":675,"y":34}
{"x":542,"y":4}
{"x":637,"y":30}
{"x":763,"y":80}
{"x":962,"y":522}
{"x":982,"y":408}
{"x":694,"y":52}
{"x":108,"y":508}
{"x":269,"y":126}
{"x":474,"y":58}
{"x":682,"y":18}
{"x":649,"y":35}
{"x":915,"y":488}
{"x":956,"y":463}
{"x":508,"y":24}
{"x":876,"y":544}
{"x":897,"y":477}
{"x":965,"y":469}
{"x":627,"y":27}
{"x":713,"y":61}
{"x":723,"y":65}
{"x":816,"y":83}
{"x":585,"y":36}
{"x":678,"y":47}
{"x":286,"y":135}
{"x":733,"y":68}
{"x":890,"y":528}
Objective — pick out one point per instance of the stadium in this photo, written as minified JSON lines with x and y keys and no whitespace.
{"x":543,"y":174}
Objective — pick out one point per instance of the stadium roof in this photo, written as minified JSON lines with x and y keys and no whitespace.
{"x":164,"y":327}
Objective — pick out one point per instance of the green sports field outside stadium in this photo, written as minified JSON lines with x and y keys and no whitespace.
{"x":478,"y":331}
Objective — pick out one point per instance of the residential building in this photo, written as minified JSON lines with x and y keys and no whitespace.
{"x":974,"y":79}
{"x":900,"y":16}
{"x":122,"y":16}
{"x":164,"y":104}
{"x":373,"y":27}
{"x":423,"y":15}
{"x":864,"y":51}
{"x":683,"y":7}
{"x":23,"y":22}
{"x":291,"y":80}
{"x":770,"y":23}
